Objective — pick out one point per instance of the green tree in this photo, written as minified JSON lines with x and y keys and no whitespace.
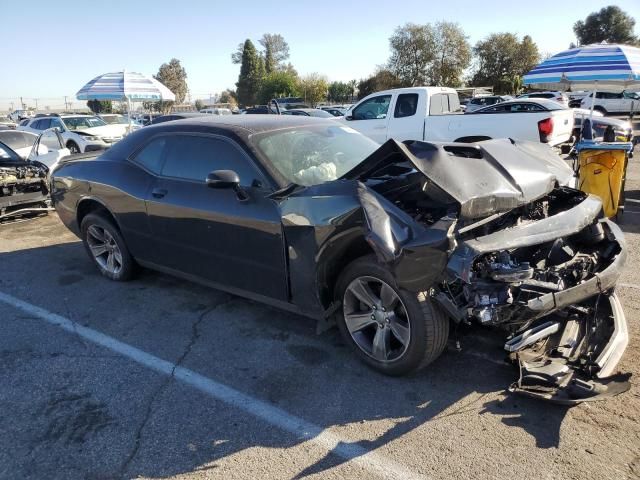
{"x":383,"y":79}
{"x":199,"y":104}
{"x":173,"y":76}
{"x":610,"y":24}
{"x":338,"y":92}
{"x":353,"y":85}
{"x":500,"y":58}
{"x":228,"y":96}
{"x":313,"y":88}
{"x":452,"y":55}
{"x":412,"y":53}
{"x":279,"y":84}
{"x":275,"y":51}
{"x":251,"y":75}
{"x":100,"y":106}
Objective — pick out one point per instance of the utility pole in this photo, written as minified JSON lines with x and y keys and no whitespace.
{"x":36,"y":100}
{"x":65,"y":103}
{"x":21,"y":103}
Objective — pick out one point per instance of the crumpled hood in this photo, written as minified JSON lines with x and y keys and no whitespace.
{"x":483,"y":178}
{"x":103,"y":131}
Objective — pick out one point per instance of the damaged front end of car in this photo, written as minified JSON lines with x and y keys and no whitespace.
{"x":22,"y":184}
{"x":524,"y":253}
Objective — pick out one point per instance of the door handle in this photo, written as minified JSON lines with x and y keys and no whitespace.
{"x":158,"y":192}
{"x":380,"y":127}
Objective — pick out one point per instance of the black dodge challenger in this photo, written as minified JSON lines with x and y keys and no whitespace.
{"x":393,"y":242}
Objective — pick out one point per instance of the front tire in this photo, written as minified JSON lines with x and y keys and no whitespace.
{"x":392,"y":330}
{"x":73,"y":147}
{"x":106,"y":247}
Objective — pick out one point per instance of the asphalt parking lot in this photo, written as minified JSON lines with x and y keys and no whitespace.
{"x":159,"y":378}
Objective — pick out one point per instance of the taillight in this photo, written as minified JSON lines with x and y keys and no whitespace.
{"x":545,"y":129}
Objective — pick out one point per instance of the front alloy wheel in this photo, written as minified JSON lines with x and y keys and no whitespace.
{"x":376,"y":318}
{"x":393,"y":330}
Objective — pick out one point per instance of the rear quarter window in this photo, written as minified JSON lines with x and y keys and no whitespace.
{"x":150,"y":156}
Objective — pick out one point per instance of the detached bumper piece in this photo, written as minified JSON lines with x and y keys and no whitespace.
{"x":573,"y":359}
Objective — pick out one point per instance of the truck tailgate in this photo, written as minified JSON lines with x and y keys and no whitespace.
{"x":562,"y":126}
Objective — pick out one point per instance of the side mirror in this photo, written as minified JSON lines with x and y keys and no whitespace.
{"x":42,"y":149}
{"x":223,"y":179}
{"x":349,"y":117}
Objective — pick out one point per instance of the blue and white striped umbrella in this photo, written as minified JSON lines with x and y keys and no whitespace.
{"x":123,"y":86}
{"x":591,"y":67}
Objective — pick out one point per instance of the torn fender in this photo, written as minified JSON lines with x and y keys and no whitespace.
{"x":416,"y":255}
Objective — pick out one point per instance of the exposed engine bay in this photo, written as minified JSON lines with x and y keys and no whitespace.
{"x":22,"y":183}
{"x":527,"y":255}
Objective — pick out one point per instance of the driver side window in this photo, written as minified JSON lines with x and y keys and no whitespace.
{"x":372,"y":109}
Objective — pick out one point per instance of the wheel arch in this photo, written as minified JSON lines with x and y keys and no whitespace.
{"x":72,"y":141}
{"x":334,"y":258}
{"x":92,"y":205}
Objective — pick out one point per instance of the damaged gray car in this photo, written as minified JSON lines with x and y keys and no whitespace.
{"x":396,"y":243}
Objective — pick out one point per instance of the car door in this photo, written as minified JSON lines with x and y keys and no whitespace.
{"x":630,"y":102}
{"x":370,"y":117}
{"x":49,"y":148}
{"x":404,"y":124}
{"x":230,"y":237}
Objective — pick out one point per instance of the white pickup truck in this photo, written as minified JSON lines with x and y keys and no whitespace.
{"x":433,"y":113}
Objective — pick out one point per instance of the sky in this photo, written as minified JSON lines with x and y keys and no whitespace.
{"x":51,"y":49}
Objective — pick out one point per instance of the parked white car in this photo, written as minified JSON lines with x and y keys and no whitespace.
{"x":20,"y":114}
{"x":559,"y":97}
{"x":6,"y":123}
{"x":19,"y":142}
{"x":611,"y":102}
{"x":81,"y":133}
{"x":433,"y":113}
{"x":216,"y":111}
{"x":49,"y":149}
{"x":477,"y":103}
{"x":121,"y":121}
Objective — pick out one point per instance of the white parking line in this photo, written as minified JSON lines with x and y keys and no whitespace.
{"x":275,"y":416}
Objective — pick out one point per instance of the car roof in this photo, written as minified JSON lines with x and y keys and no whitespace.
{"x":543,"y":102}
{"x":249,"y":123}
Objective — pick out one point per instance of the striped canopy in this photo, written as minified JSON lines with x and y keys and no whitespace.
{"x":125,"y":86}
{"x":591,"y":67}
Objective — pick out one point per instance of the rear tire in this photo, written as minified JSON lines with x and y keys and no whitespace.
{"x":602,"y":110}
{"x":106,"y":247}
{"x":417,"y":331}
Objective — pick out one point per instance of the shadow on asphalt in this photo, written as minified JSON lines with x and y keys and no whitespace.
{"x":323,"y":383}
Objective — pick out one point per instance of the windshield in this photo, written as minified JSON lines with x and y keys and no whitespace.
{"x":312,"y":155}
{"x":114,"y":119}
{"x":82,"y":123}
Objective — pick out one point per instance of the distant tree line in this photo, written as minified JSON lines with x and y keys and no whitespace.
{"x":429,"y":54}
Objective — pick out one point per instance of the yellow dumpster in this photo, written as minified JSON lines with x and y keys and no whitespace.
{"x":602,"y":169}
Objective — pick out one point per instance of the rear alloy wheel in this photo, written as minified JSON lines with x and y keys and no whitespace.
{"x":106,"y":247}
{"x":393,"y":330}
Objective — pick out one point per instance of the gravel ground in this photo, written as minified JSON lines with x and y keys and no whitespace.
{"x":74,"y":409}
